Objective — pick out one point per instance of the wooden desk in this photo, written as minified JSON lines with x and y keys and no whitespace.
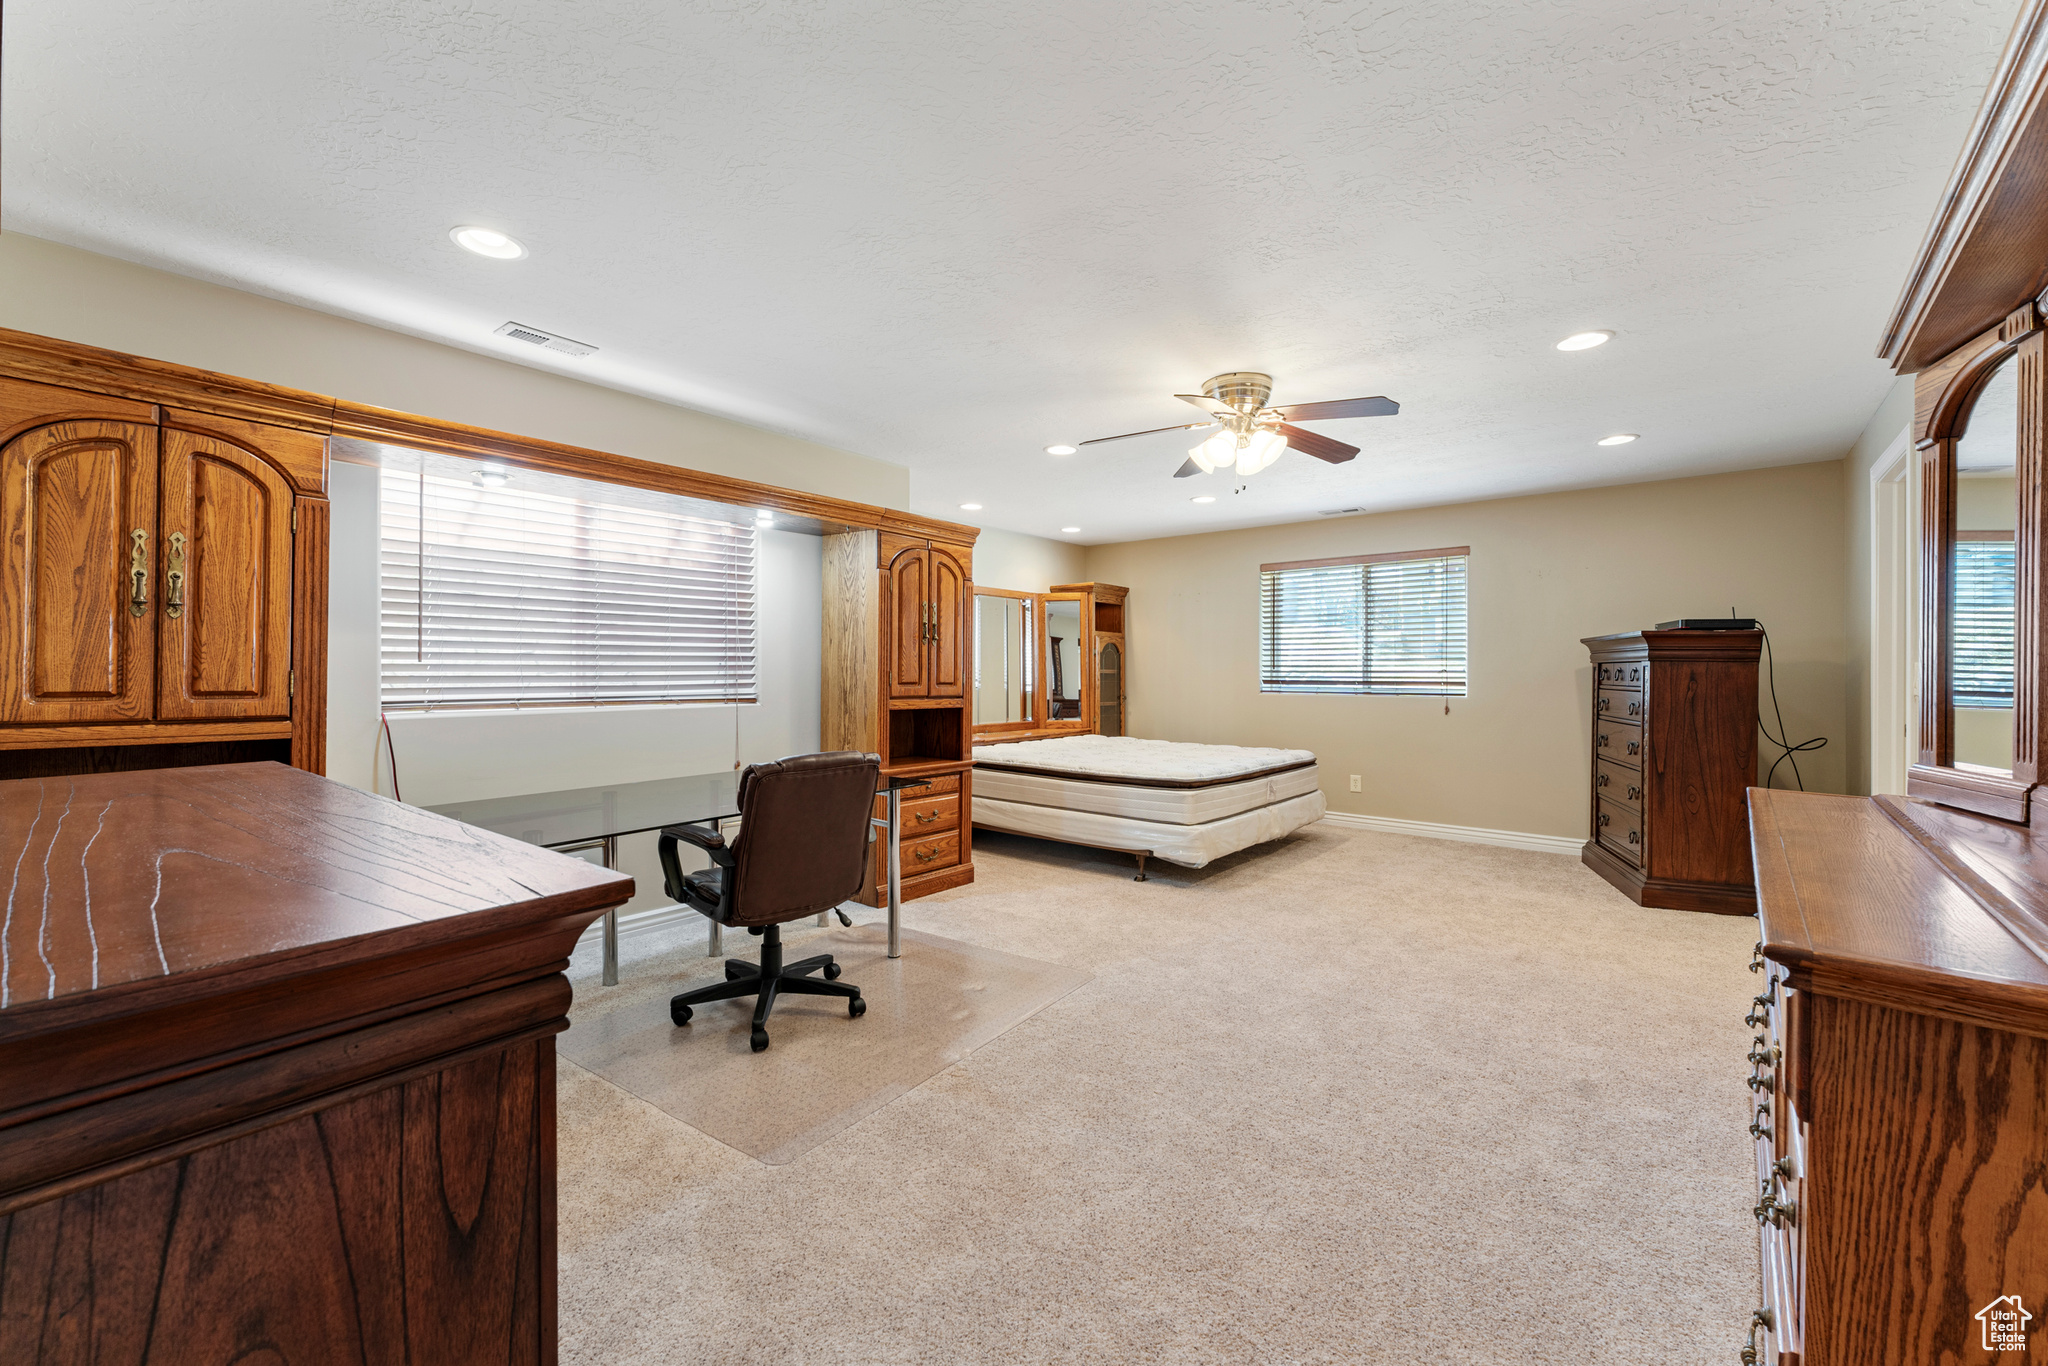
{"x":276,"y":1073}
{"x":1899,"y":1058}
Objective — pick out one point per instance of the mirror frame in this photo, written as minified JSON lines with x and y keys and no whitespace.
{"x":1040,"y":724}
{"x":1942,"y":395}
{"x":1034,"y":698}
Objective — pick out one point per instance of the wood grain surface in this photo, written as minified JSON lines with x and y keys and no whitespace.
{"x":121,"y":879}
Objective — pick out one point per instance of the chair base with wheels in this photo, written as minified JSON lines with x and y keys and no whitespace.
{"x":771,"y":979}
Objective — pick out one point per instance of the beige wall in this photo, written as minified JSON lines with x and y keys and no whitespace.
{"x":60,"y":291}
{"x":1545,"y":571}
{"x":1026,"y":564}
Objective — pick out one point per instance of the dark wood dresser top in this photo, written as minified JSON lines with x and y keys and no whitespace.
{"x":126,"y":891}
{"x":1906,"y":904}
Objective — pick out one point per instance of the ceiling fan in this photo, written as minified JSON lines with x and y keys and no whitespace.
{"x":1250,"y":436}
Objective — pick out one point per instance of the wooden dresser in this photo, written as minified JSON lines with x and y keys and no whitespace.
{"x":898,"y":665}
{"x":1898,"y":1054}
{"x":1674,"y":749}
{"x":277,"y":1073}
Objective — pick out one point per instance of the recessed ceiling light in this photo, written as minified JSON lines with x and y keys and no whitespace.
{"x":1584,"y":341}
{"x":1069,"y":530}
{"x":1061,"y":450}
{"x":487,"y":242}
{"x":1203,"y":498}
{"x":970,"y":507}
{"x":1618,"y":439}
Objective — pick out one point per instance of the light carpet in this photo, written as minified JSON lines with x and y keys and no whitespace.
{"x":1350,"y":1097}
{"x":823,"y":1071}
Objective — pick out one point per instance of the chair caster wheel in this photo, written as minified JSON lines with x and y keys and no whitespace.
{"x":831,"y":972}
{"x":760,"y":1040}
{"x":680,"y":1014}
{"x":856,"y":1008}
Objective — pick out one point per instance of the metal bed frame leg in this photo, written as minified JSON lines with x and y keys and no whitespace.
{"x":1142,"y":856}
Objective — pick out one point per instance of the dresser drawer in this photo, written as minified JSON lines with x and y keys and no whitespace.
{"x":1614,"y":783}
{"x":1619,"y":829}
{"x":929,"y":853}
{"x":930,"y":815}
{"x":1627,"y":673}
{"x":1618,"y":703}
{"x":935,"y":786}
{"x":1620,"y":741}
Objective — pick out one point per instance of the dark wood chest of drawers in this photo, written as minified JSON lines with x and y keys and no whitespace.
{"x":1674,"y":749}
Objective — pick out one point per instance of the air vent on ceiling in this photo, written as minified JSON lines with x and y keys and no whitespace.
{"x":547,"y":340}
{"x":1338,"y":512}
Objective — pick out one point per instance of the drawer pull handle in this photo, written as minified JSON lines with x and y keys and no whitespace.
{"x":1634,"y":745}
{"x":1757,"y":1018}
{"x":1762,"y":1081}
{"x":1783,"y":1167}
{"x":1635,"y":837}
{"x":927,"y":855}
{"x":1634,"y":708}
{"x":1763,"y":1057}
{"x":1603,"y":820}
{"x":1759,"y":1126}
{"x":1600,"y":781}
{"x":1601,"y":740}
{"x":926,"y":817}
{"x":1635,"y":794}
{"x":1603,"y":704}
{"x":1775,"y":1213}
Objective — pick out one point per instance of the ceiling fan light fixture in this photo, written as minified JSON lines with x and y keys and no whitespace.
{"x":1061,"y":450}
{"x":1264,"y":447}
{"x":1586,"y":341}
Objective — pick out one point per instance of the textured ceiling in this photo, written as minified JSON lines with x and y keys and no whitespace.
{"x":946,"y":235}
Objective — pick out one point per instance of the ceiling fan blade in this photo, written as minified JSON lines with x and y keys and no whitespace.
{"x":1150,"y":431}
{"x":1208,"y":405}
{"x":1382,"y":406}
{"x":1187,"y":467}
{"x":1321,"y":447}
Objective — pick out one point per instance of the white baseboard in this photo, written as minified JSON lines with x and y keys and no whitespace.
{"x":634,"y":923}
{"x":1465,"y":834}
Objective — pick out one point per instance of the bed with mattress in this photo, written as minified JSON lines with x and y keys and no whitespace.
{"x":1184,"y":803}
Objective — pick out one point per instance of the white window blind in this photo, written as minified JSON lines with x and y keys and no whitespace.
{"x":1368,"y":624}
{"x":515,"y":596}
{"x":1982,"y":658}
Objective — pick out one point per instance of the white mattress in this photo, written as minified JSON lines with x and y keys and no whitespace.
{"x":1121,"y":758}
{"x":1191,"y":846}
{"x":1166,"y":805}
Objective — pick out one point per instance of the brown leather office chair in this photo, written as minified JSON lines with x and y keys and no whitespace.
{"x":802,"y":848}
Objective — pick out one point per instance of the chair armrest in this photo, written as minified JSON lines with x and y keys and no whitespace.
{"x":708,"y":838}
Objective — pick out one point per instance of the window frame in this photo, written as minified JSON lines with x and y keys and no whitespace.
{"x":580,"y":507}
{"x":1267,"y":685}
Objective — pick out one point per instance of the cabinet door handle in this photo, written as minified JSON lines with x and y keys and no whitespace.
{"x":174,"y":577}
{"x":138,"y":572}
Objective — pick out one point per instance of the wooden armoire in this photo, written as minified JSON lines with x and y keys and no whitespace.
{"x":1105,"y":632}
{"x":1674,"y":752}
{"x":898,"y":662}
{"x":163,"y":566}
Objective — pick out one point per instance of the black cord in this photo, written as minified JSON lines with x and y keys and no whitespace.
{"x":391,"y":749}
{"x":1806,"y":746}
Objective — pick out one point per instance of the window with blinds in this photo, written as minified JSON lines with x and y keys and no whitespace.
{"x":1365,"y":624}
{"x":1982,"y":656}
{"x":514,"y":596}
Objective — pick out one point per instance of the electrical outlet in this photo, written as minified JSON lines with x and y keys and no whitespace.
{"x":1357,"y":783}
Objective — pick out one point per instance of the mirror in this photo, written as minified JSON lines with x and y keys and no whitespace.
{"x":1063,"y":659}
{"x":1003,"y":649}
{"x":1111,"y":690}
{"x":1982,"y":621}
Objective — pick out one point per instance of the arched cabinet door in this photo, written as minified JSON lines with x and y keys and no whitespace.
{"x":225,"y":558}
{"x":949,"y":625}
{"x":78,"y":513}
{"x":909,"y":601}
